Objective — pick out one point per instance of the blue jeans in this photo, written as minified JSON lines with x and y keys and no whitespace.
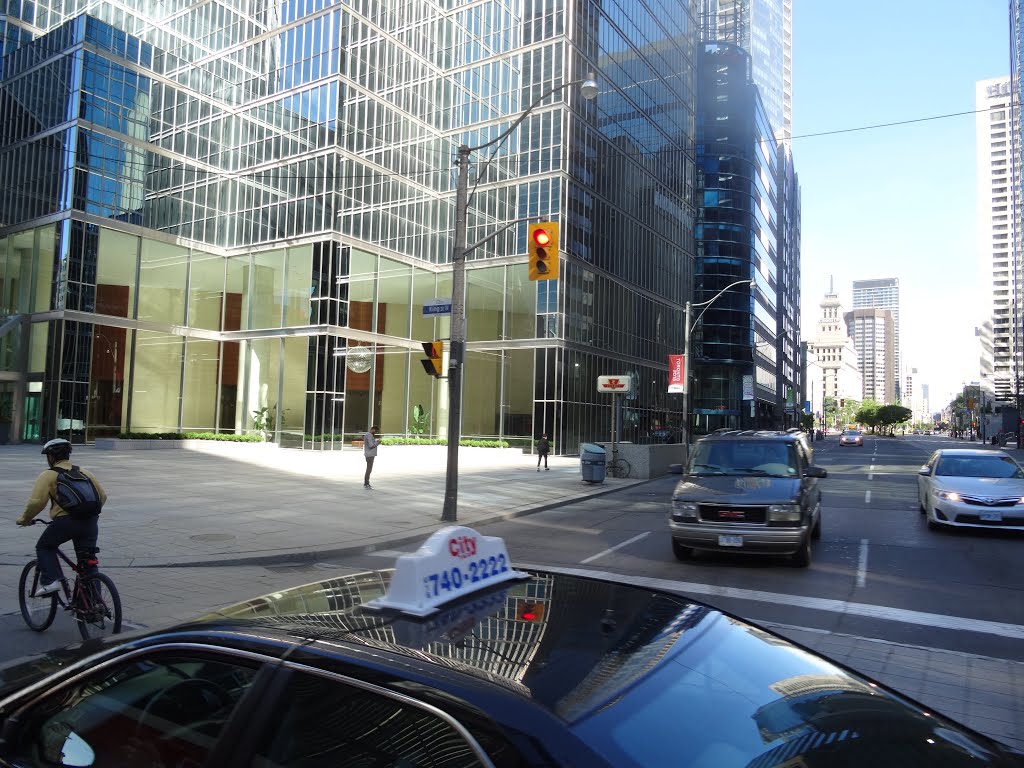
{"x":83,"y":532}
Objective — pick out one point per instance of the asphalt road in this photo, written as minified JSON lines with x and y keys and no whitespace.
{"x":877,"y":571}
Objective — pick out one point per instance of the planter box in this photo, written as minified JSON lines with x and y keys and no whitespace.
{"x":220,"y":447}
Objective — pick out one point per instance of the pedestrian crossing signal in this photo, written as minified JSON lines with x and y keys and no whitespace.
{"x":542,"y":244}
{"x":432,"y":364}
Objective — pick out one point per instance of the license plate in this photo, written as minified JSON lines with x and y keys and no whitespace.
{"x":730,"y":541}
{"x":992,"y":517}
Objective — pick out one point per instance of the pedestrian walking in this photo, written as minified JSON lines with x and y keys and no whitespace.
{"x":543,"y":447}
{"x":370,"y":443}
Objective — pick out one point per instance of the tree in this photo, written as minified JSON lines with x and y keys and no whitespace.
{"x":889,"y":416}
{"x":868,"y":414}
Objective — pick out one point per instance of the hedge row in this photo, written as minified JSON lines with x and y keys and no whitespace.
{"x":233,"y":438}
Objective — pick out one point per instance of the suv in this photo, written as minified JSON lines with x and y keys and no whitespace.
{"x":754,"y":492}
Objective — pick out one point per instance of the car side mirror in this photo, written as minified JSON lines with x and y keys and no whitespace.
{"x":925,"y":470}
{"x":813,"y":471}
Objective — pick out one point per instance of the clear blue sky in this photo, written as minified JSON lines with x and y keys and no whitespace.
{"x":899,"y":201}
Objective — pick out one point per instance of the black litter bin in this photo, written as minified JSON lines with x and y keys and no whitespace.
{"x":592,"y":462}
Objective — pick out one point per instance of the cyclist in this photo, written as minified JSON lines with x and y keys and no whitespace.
{"x":83,"y":531}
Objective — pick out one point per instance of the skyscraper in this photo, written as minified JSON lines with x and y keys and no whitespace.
{"x":883,"y":293}
{"x":764,"y":28}
{"x":218,"y":215}
{"x":996,"y":229}
{"x":872,"y":331}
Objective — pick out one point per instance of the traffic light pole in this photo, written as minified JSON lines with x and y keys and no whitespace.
{"x":456,"y":354}
{"x":458,"y":340}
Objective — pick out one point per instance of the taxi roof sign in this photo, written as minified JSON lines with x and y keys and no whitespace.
{"x":454,"y":562}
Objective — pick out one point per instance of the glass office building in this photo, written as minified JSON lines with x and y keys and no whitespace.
{"x":745,"y":348}
{"x":210,"y":212}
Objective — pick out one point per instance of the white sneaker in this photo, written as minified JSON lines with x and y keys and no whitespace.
{"x":46,"y":589}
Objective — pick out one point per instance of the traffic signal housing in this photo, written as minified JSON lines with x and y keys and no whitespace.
{"x":432,"y":364}
{"x":542,"y":244}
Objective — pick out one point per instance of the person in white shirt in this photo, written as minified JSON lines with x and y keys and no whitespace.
{"x":370,"y":443}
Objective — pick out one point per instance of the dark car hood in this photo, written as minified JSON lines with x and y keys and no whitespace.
{"x":618,"y":664}
{"x":737,"y":489}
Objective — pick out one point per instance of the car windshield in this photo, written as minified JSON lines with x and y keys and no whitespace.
{"x":851,"y":433}
{"x":744,"y":457}
{"x":978,"y":466}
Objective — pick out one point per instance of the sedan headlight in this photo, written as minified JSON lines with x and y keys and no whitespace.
{"x":948,"y":495}
{"x":683,"y":510}
{"x":784,"y":513}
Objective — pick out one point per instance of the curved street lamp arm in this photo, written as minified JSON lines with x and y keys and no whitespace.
{"x":707,"y":304}
{"x":500,"y":138}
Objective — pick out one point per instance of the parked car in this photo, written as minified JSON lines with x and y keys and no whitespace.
{"x":752,"y":492}
{"x":971,"y":487}
{"x":852,"y":437}
{"x":455,"y":659}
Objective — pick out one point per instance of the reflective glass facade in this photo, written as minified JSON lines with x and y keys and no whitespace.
{"x":208,"y":210}
{"x":742,"y":381}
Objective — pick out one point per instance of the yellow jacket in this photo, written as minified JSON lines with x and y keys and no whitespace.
{"x":45,"y":489}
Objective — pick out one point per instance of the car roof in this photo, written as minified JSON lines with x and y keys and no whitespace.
{"x":588,"y":655}
{"x":755,"y":434}
{"x":971,"y":452}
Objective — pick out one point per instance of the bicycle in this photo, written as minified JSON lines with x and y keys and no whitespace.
{"x":617,"y":467}
{"x":92,"y":599}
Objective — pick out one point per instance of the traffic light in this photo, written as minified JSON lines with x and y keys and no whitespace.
{"x":432,"y":364}
{"x":542,"y":245}
{"x":527,"y":610}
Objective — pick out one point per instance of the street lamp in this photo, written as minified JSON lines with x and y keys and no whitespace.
{"x":687,"y":327}
{"x":588,"y":90}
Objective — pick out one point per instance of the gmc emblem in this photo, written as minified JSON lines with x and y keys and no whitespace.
{"x":732,"y":514}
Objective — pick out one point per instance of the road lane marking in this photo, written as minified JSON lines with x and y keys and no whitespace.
{"x":865,"y":610}
{"x":617,"y":546}
{"x":560,"y":526}
{"x":867,"y":497}
{"x":871,"y":470}
{"x":862,"y":563}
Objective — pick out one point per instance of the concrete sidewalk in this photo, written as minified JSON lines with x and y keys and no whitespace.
{"x":244,"y":503}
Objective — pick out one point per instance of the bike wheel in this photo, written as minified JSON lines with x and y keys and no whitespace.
{"x":38,"y":612}
{"x":97,"y":606}
{"x":618,"y":468}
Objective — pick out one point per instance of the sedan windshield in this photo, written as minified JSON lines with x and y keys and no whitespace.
{"x":978,"y":466}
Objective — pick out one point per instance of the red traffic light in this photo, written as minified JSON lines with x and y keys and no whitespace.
{"x":541,"y":237}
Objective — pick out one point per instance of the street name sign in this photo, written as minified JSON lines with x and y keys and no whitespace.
{"x":437,"y":307}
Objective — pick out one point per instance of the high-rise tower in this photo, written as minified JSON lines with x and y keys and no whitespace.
{"x":996,"y":227}
{"x":764,"y":28}
{"x":883,"y":293}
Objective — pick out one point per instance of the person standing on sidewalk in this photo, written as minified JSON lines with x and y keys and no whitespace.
{"x":543,"y":448}
{"x":370,"y":443}
{"x":83,"y":530}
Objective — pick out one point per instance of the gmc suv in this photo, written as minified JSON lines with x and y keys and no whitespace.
{"x":753,"y":492}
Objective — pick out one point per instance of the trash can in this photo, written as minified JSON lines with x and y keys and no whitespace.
{"x":592,"y":462}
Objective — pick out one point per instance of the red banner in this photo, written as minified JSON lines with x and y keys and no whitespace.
{"x":677,"y":373}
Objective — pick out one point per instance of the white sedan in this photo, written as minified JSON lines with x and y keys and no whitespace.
{"x":971,"y":487}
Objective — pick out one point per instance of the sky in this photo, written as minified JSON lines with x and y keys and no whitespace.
{"x":896,"y":201}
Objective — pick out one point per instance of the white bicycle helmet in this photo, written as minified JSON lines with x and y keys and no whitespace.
{"x":59,"y":444}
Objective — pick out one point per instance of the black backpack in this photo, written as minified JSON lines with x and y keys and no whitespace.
{"x":77,"y":494}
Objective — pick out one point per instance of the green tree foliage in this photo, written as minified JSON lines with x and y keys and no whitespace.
{"x":890,"y":415}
